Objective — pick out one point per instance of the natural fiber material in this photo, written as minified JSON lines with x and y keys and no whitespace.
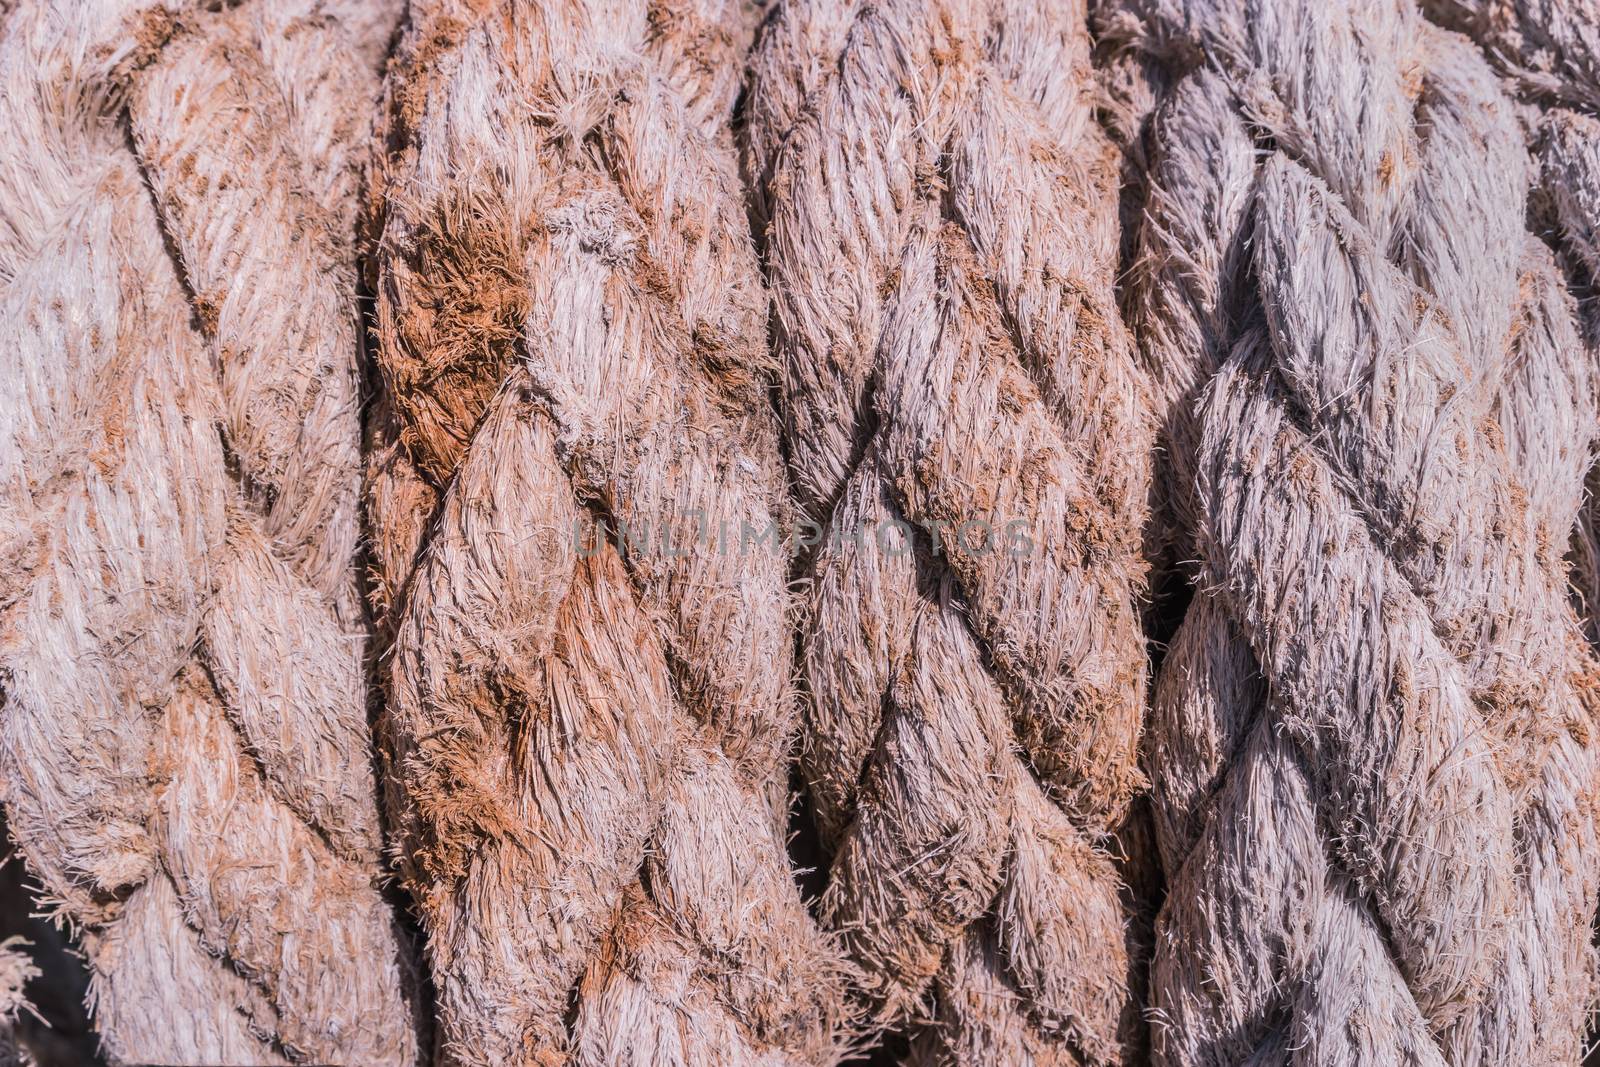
{"x":49,"y":1022}
{"x":587,"y":737}
{"x":942,"y":234}
{"x":1550,"y":51}
{"x":16,"y":971}
{"x":183,"y":748}
{"x":1550,"y":47}
{"x":1373,"y":738}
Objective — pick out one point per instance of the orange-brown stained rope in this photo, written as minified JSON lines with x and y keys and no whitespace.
{"x":587,"y":737}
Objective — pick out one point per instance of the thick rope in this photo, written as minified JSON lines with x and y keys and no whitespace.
{"x":1550,"y":51}
{"x":1372,"y":743}
{"x":1550,"y":47}
{"x":587,"y":728}
{"x":942,"y":234}
{"x":183,"y":745}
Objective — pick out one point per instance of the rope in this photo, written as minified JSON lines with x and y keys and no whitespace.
{"x":1550,"y":53}
{"x":183,"y":751}
{"x":589,"y":703}
{"x":17,"y":969}
{"x":1372,"y":743}
{"x":941,"y":236}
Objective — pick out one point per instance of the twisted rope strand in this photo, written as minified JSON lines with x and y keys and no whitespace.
{"x":1366,"y":442}
{"x":1550,"y":52}
{"x":586,"y":737}
{"x":217,"y":723}
{"x":941,"y":235}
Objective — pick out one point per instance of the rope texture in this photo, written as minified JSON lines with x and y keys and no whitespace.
{"x":941,"y":234}
{"x":1373,"y":738}
{"x":184,"y":751}
{"x":1550,"y":51}
{"x":587,"y":736}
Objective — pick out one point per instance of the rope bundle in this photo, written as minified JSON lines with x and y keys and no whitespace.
{"x":1373,"y":738}
{"x":183,"y":752}
{"x":942,"y":234}
{"x":1357,"y":381}
{"x":589,"y":699}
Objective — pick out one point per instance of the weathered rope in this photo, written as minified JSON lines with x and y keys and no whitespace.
{"x":587,"y":738}
{"x":942,"y":235}
{"x":1550,"y":50}
{"x":1373,"y":739}
{"x":1550,"y":47}
{"x":184,"y":750}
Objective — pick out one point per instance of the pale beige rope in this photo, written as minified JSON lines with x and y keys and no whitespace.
{"x":1550,"y":51}
{"x":587,"y":735}
{"x":1372,"y":738}
{"x":183,"y":741}
{"x":1550,"y":47}
{"x":941,"y":236}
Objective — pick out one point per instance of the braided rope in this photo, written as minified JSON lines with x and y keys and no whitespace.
{"x":1550,"y":49}
{"x":1551,"y":53}
{"x":587,"y":738}
{"x":942,"y":234}
{"x":183,"y":749}
{"x":1372,"y":740}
